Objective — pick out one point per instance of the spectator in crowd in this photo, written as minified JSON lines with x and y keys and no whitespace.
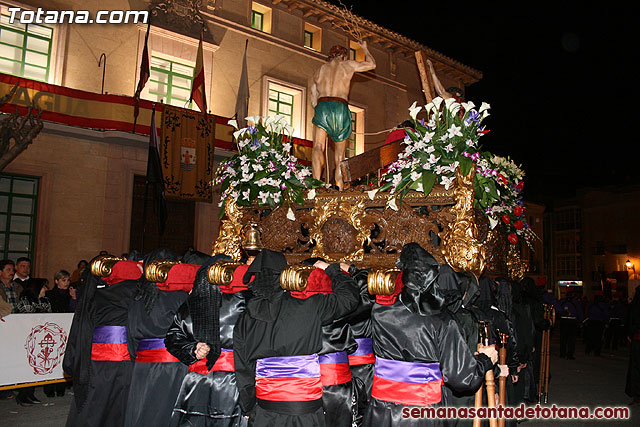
{"x":23,"y":270}
{"x":73,"y":295}
{"x":59,"y":296}
{"x":32,"y":300}
{"x":9,"y":290}
{"x":77,"y":273}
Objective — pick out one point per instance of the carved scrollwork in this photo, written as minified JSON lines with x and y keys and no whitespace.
{"x":516,"y":267}
{"x":157,"y":271}
{"x":280,"y":233}
{"x":460,"y":246}
{"x":229,"y":241}
{"x":103,"y":265}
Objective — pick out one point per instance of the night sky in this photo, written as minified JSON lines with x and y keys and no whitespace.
{"x":559,"y":80}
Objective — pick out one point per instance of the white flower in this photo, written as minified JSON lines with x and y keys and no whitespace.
{"x":263,"y":196}
{"x":415,"y":176}
{"x":253,"y":119}
{"x":493,"y":222}
{"x":233,"y":123}
{"x":485,"y":114}
{"x":431,"y":124}
{"x":245,"y":168}
{"x":448,"y":102}
{"x":231,"y":171}
{"x":391,"y":203}
{"x":440,"y":170}
{"x":234,"y":195}
{"x":470,"y":143}
{"x":433,"y":159}
{"x":245,"y":194}
{"x":436,"y":102}
{"x":291,"y":215}
{"x":484,"y":107}
{"x":453,"y":166}
{"x":447,"y":182}
{"x":468,"y":105}
{"x":286,"y":147}
{"x":428,"y":136}
{"x":455,"y":108}
{"x":257,"y":167}
{"x":311,"y":194}
{"x":430,"y":149}
{"x":428,"y":107}
{"x":396,"y":179}
{"x":286,"y":174}
{"x":420,"y":188}
{"x":448,"y":148}
{"x":237,"y":133}
{"x":246,"y":177}
{"x":276,"y":197}
{"x":372,"y":193}
{"x":414,"y":110}
{"x":454,"y":131}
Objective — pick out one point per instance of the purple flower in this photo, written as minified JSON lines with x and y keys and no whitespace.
{"x":473,"y":117}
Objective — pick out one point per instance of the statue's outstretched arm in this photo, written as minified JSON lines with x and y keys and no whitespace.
{"x":436,"y":82}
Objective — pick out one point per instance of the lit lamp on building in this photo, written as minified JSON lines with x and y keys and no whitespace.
{"x":630,"y":266}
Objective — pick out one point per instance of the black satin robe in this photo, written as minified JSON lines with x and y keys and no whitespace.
{"x":286,"y":326}
{"x":206,"y":400}
{"x":400,"y":334}
{"x":339,"y":400}
{"x":106,"y":402}
{"x":154,"y":386}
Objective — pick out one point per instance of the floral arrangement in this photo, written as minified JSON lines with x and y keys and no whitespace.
{"x":446,"y":140}
{"x":264,"y":172}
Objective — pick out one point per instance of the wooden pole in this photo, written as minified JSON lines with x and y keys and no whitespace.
{"x":547,"y":358}
{"x":427,"y":87}
{"x":503,"y":380}
{"x":478,"y":401}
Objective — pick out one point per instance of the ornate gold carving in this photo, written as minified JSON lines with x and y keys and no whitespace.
{"x":460,"y":247}
{"x":516,"y":268}
{"x":294,"y":278}
{"x":103,"y":265}
{"x":229,"y":240}
{"x":382,"y":282}
{"x":221,"y":272}
{"x":354,"y":214}
{"x":158,"y":270}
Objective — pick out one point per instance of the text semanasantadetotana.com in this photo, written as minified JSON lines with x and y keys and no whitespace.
{"x":41,"y":16}
{"x":519,"y":412}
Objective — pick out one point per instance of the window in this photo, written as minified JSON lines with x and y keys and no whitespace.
{"x":171,"y":80}
{"x":355,"y":142}
{"x":285,"y":99}
{"x":281,"y":103}
{"x":312,"y":37}
{"x":18,"y":203}
{"x":260,"y":17}
{"x":257,"y":19}
{"x":355,"y":51}
{"x":25,"y":49}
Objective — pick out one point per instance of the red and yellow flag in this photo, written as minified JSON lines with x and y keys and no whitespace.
{"x":197,"y":86}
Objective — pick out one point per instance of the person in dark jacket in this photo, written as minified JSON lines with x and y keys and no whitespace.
{"x":208,"y":395}
{"x":150,"y":316}
{"x":419,"y":347}
{"x":571,"y":317}
{"x":597,"y":318}
{"x":632,"y":388}
{"x":60,"y":299}
{"x":277,"y":341}
{"x":99,"y":352}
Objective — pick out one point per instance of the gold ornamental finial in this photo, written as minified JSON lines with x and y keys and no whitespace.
{"x":382,"y":282}
{"x":294,"y":278}
{"x":221,"y":272}
{"x":158,"y":270}
{"x":103,"y":265}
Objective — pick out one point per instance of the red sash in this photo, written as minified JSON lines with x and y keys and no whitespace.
{"x":224,"y":363}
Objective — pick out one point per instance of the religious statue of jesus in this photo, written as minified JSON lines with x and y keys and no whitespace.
{"x":329,"y":93}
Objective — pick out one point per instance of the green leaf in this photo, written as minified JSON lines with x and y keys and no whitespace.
{"x":465,"y":165}
{"x":221,"y":213}
{"x":428,"y":180}
{"x":225,"y":185}
{"x":412,"y":135}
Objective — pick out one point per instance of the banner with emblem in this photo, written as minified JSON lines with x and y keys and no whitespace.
{"x":33,"y":347}
{"x":186,"y":153}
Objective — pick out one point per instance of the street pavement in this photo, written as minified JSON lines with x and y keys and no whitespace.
{"x":586,"y":381}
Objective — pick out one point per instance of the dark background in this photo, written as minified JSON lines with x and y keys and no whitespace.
{"x":558,"y":76}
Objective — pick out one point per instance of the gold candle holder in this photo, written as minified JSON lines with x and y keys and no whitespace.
{"x":221,"y":272}
{"x":294,"y":278}
{"x":103,"y":265}
{"x":158,"y":270}
{"x":484,"y":333}
{"x":382,"y":282}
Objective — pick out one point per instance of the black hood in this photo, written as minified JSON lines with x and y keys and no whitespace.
{"x":487,"y":293}
{"x":420,"y":270}
{"x":263,"y":279}
{"x":147,"y":291}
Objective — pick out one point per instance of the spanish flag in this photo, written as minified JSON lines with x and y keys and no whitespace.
{"x":197,"y":86}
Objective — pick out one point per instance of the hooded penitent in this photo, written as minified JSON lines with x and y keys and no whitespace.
{"x":420,"y":293}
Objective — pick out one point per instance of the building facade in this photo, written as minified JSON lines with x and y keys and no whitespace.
{"x":77,"y":189}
